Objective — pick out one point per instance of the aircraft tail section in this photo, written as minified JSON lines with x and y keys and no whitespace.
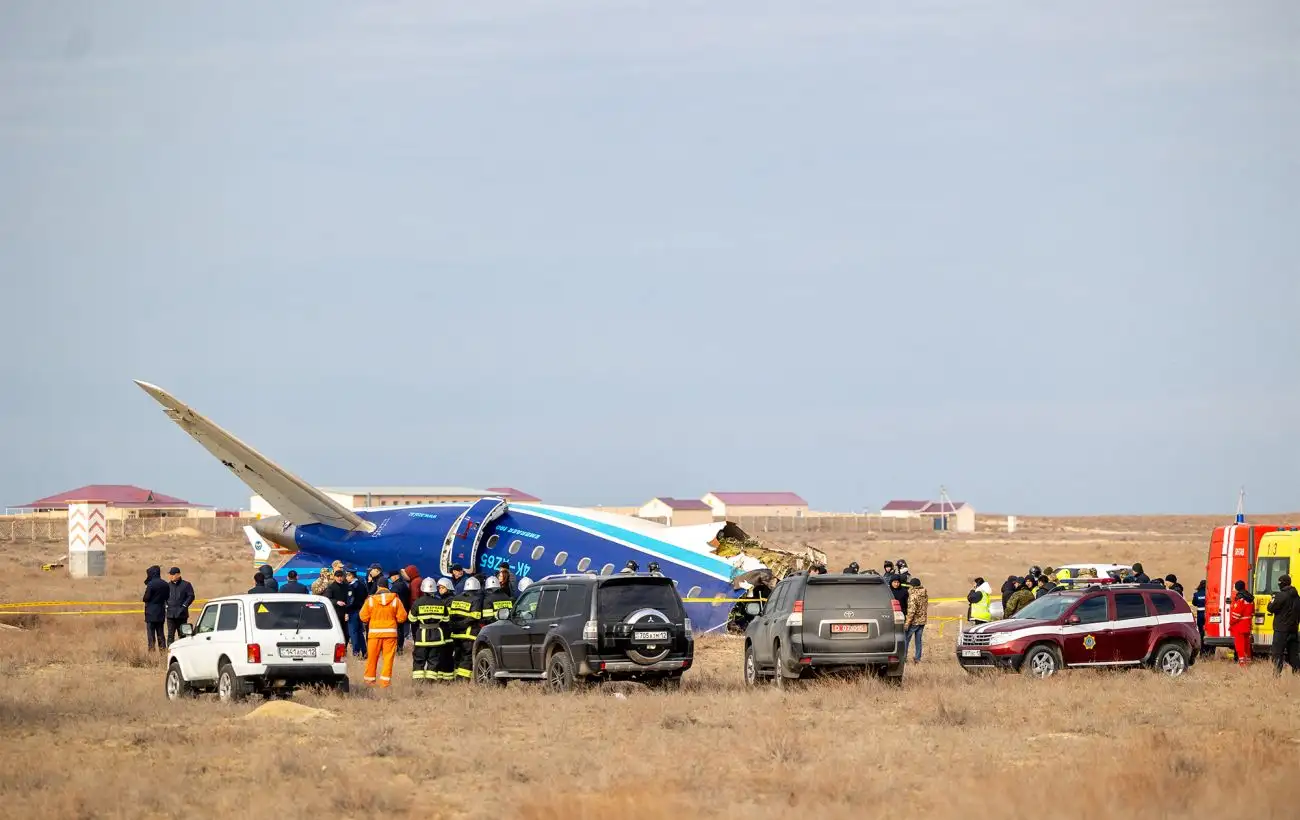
{"x":295,"y":499}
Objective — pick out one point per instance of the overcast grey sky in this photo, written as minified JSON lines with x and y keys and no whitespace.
{"x":607,"y":250}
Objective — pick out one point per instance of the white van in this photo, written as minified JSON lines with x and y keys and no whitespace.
{"x":268,"y":644}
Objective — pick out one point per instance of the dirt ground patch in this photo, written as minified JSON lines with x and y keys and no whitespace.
{"x":85,"y":730}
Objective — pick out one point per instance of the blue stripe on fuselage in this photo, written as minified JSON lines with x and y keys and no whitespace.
{"x":708,"y":564}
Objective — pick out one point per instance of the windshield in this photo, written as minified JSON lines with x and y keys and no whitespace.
{"x":618,"y":600}
{"x":841,"y":595}
{"x":291,"y":615}
{"x":1047,"y":608}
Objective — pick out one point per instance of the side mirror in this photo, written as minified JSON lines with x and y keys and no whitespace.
{"x":1073,"y":619}
{"x":186,"y":630}
{"x":753,"y":609}
{"x":503,"y":614}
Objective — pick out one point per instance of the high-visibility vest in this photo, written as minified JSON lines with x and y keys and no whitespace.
{"x":1063,"y":575}
{"x":979,"y":611}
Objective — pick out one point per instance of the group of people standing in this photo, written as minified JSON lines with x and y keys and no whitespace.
{"x":1284,"y":606}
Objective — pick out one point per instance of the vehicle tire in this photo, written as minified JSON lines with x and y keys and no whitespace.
{"x":560,"y":676}
{"x":175,"y":685}
{"x":1171,"y":659}
{"x":649,"y":617}
{"x":751,"y":666}
{"x":231,"y":687}
{"x":485,"y":668}
{"x":1041,"y":662}
{"x":779,"y":680}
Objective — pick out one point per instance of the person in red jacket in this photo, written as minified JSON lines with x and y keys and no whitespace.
{"x":1240,"y":620}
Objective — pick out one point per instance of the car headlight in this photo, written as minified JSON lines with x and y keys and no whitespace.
{"x":999,"y":638}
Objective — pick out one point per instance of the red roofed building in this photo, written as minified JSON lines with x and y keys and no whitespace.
{"x":123,"y":501}
{"x":903,"y":509}
{"x":511,"y":494}
{"x":677,"y":512}
{"x":733,"y":504}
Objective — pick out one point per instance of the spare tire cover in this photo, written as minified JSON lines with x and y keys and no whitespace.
{"x":655,"y":652}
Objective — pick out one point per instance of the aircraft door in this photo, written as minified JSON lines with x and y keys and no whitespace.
{"x":461,"y":546}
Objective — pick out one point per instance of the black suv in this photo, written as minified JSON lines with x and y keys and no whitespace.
{"x":822,"y":623}
{"x":566,"y":630}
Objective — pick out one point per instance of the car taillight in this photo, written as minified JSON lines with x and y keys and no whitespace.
{"x":590,"y":631}
{"x":898,"y":611}
{"x":687,"y":627}
{"x":796,"y":615}
{"x":254,"y":653}
{"x":798,"y":606}
{"x":340,"y":652}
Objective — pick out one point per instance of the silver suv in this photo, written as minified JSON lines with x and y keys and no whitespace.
{"x":822,"y":623}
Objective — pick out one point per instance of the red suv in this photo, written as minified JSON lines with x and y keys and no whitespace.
{"x":1120,"y":625}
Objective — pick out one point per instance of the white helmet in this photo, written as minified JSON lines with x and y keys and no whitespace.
{"x":446,"y":582}
{"x":428,"y":585}
{"x":493,"y":583}
{"x":525,"y":584}
{"x":472,"y":584}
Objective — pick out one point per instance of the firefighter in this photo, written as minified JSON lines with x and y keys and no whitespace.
{"x":852,"y":568}
{"x":630,"y":568}
{"x":495,"y":599}
{"x":654,"y":569}
{"x":463,"y":618}
{"x":1240,"y":618}
{"x":445,"y":656}
{"x":428,"y":618}
{"x":382,"y":613}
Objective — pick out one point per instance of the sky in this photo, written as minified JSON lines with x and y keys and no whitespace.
{"x":1044,"y":255}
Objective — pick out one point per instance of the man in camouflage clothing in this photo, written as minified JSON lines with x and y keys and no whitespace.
{"x":918,"y":608}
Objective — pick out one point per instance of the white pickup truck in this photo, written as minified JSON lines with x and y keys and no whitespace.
{"x":267,"y":644}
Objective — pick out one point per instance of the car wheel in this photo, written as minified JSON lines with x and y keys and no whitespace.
{"x":751,"y":666}
{"x":649,"y":617}
{"x":176,"y":686}
{"x":230,"y":687}
{"x":485,"y":668}
{"x":1171,"y":659}
{"x":559,"y":673}
{"x":1041,"y":662}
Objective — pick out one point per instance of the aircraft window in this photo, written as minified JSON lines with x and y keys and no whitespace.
{"x":583,"y":564}
{"x":538,"y":552}
{"x":560,"y":558}
{"x":492,"y":541}
{"x":515,"y":545}
{"x":692,"y":592}
{"x":608,"y":569}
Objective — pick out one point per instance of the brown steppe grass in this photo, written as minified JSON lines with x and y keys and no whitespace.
{"x":85,"y":730}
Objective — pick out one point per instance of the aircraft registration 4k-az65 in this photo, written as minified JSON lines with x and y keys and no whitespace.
{"x":533,"y":540}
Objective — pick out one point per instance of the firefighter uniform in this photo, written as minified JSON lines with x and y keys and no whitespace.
{"x":464,"y":613}
{"x":428,"y":630}
{"x":495,"y":599}
{"x":382,"y":612}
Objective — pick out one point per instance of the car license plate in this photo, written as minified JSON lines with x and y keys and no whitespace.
{"x":970,"y":653}
{"x":297,"y":651}
{"x":850,"y":627}
{"x":652,"y":636}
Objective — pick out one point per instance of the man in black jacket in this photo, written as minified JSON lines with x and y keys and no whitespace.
{"x":293,"y":586}
{"x":337,"y":593}
{"x":180,"y":594}
{"x":1285,"y":606}
{"x":156,"y":593}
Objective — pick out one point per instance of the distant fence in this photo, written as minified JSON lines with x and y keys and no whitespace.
{"x":14,"y":529}
{"x":756,"y":525}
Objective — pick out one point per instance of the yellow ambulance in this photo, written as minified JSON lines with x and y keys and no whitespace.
{"x":1279,"y":554}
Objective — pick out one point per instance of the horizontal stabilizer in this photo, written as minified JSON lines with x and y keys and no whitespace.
{"x":293,"y":498}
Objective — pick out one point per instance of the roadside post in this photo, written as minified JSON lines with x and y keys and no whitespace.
{"x":87,"y":539}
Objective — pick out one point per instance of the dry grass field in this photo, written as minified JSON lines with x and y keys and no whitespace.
{"x":85,"y":730}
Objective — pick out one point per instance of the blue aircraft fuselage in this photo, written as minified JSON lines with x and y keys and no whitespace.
{"x":533,"y":541}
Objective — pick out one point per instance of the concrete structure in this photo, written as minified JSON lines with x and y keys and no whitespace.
{"x":903,"y":509}
{"x":677,"y":512}
{"x":959,"y":516}
{"x":1011,"y":523}
{"x":120,"y":502}
{"x":730,"y":504}
{"x":87,"y":539}
{"x":355,"y":498}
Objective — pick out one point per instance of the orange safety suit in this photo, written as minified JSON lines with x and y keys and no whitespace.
{"x":381,"y":612}
{"x":1239,"y":626}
